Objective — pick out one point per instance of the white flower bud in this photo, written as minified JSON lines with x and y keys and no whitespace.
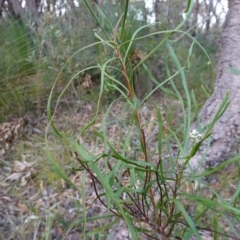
{"x":195,"y":136}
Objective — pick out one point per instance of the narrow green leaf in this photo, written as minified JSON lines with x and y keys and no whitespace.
{"x":236,"y":195}
{"x":215,"y":204}
{"x":118,"y":156}
{"x":82,"y":152}
{"x":205,"y":91}
{"x":222,"y":108}
{"x":187,"y":117}
{"x":160,"y":134}
{"x":215,"y":227}
{"x":91,"y":122}
{"x":187,"y":218}
{"x":234,"y":70}
{"x":188,"y":5}
{"x":190,"y":54}
{"x":104,"y":17}
{"x":124,"y":18}
{"x":96,"y":18}
{"x":219,"y":167}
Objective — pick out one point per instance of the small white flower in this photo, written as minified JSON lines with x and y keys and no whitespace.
{"x":195,"y":136}
{"x":30,"y":218}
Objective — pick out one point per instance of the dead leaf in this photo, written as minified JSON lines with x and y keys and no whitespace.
{"x":14,"y":176}
{"x":97,"y":125}
{"x":73,"y":236}
{"x":21,"y":166}
{"x":87,"y":82}
{"x":22,"y":207}
{"x":7,"y":198}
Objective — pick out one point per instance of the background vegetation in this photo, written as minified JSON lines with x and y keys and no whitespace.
{"x":37,"y":39}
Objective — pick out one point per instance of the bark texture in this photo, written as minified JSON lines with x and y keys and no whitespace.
{"x":226,"y":133}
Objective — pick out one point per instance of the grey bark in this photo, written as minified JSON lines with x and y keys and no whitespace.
{"x":1,"y":7}
{"x":226,"y":133}
{"x":17,"y":9}
{"x":157,"y":9}
{"x":34,"y":11}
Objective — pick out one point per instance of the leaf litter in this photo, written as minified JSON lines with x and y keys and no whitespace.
{"x":33,"y":200}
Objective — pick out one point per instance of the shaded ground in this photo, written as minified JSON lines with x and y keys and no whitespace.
{"x":36,"y":204}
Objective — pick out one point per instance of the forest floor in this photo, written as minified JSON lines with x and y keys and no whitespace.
{"x":36,"y":204}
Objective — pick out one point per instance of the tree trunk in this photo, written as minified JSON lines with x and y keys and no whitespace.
{"x":33,"y":8}
{"x":157,"y":9}
{"x":1,"y":4}
{"x":226,"y":133}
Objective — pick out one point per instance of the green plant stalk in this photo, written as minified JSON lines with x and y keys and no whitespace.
{"x":138,"y":120}
{"x":124,"y":18}
{"x":187,"y":120}
{"x":160,"y":163}
{"x":215,"y":226}
{"x":83,"y":183}
{"x":96,"y":18}
{"x":48,"y":227}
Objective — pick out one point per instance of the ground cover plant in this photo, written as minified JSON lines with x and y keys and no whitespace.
{"x":157,"y":195}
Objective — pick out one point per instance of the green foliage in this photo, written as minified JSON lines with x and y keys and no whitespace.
{"x":28,"y":66}
{"x":149,"y":196}
{"x":15,"y":47}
